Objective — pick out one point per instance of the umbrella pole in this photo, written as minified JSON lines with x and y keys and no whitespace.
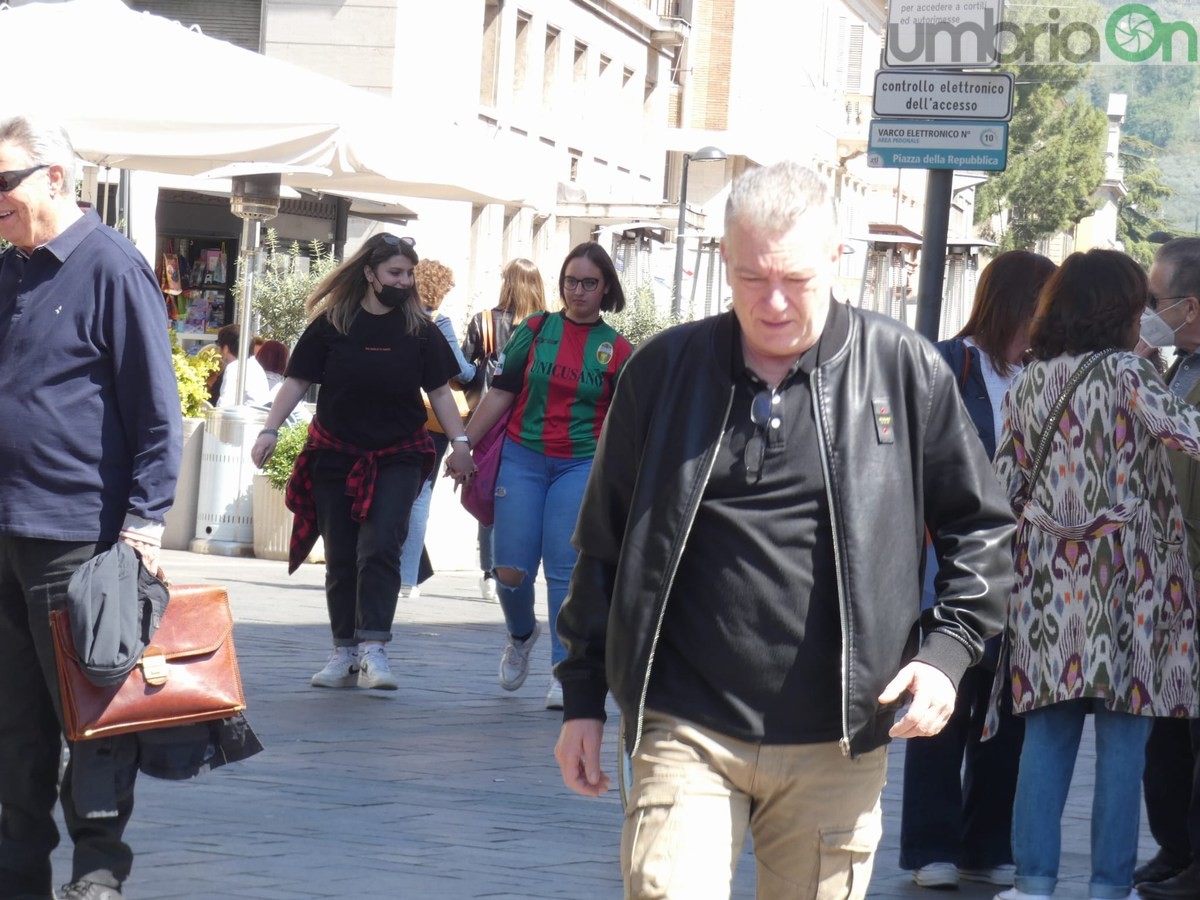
{"x":104,"y":208}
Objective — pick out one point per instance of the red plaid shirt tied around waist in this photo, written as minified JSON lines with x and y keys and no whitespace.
{"x":360,"y":483}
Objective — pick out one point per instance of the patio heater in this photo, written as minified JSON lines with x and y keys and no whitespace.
{"x":224,"y":518}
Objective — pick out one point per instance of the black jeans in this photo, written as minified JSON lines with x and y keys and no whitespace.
{"x":362,"y":561}
{"x":962,"y":819}
{"x":33,"y":580}
{"x":1171,"y":782}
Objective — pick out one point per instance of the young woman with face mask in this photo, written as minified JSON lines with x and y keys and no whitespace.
{"x":372,"y":350}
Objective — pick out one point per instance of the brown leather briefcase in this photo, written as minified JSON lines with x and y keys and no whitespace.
{"x":188,"y":673}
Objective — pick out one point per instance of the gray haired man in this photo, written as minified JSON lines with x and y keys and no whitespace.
{"x":751,"y":550}
{"x":89,"y":454}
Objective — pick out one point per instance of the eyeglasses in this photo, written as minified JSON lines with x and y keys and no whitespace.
{"x":588,"y":284}
{"x":762,"y":414}
{"x":10,"y":181}
{"x":395,"y":240}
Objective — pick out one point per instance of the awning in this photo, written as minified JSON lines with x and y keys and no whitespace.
{"x":133,"y":108}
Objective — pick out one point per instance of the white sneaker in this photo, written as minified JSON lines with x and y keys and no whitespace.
{"x":936,"y":875}
{"x":514,"y":661}
{"x":410,"y":591}
{"x":341,"y":671}
{"x":487,"y":588}
{"x":373,"y":670}
{"x":1014,"y":894}
{"x":998,"y":875}
{"x":554,"y":698}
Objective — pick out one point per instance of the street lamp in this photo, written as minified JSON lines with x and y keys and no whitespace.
{"x":704,"y":154}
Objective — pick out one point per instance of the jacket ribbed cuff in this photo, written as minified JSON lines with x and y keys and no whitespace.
{"x":946,"y":654}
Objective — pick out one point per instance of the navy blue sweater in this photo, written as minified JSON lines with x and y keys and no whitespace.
{"x":90,"y":427}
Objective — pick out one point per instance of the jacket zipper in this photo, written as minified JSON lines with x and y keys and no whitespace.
{"x":838,"y":564}
{"x":668,"y":582}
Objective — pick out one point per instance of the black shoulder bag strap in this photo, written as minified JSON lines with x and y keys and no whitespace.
{"x":1052,"y":420}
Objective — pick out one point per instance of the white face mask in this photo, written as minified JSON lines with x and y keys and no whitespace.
{"x":1155,"y":331}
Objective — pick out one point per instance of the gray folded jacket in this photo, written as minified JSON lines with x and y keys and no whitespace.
{"x":115,"y":606}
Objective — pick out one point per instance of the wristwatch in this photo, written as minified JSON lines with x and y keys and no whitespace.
{"x":461,"y":439}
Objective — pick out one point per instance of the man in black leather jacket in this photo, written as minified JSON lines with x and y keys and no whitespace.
{"x":751,"y":550}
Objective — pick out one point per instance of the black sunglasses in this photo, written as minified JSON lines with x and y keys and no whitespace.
{"x":10,"y":181}
{"x":762,"y":410}
{"x":395,"y":240}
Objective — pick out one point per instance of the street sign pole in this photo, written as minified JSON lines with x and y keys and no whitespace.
{"x":939,"y":188}
{"x":923,"y":38}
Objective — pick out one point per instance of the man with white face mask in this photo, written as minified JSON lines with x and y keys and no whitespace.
{"x":1172,"y":776}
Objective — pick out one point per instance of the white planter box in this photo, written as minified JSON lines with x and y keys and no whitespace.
{"x":273,"y":524}
{"x":181,"y":518}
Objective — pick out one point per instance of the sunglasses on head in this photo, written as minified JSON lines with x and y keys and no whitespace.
{"x":395,"y":240}
{"x":11,"y":180}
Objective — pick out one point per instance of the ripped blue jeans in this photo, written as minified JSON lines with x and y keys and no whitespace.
{"x":537,"y":503}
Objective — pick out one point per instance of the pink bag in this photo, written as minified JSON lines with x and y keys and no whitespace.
{"x":478,"y":497}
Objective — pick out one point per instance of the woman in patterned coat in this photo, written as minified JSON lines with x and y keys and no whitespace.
{"x":1103,"y":615}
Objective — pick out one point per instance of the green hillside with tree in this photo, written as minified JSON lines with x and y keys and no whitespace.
{"x":1163,"y":126}
{"x":1058,"y":138}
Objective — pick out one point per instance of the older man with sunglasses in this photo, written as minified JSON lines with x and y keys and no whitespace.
{"x":89,"y":452}
{"x":749,"y":576}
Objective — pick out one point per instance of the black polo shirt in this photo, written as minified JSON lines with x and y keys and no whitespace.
{"x":751,"y":642}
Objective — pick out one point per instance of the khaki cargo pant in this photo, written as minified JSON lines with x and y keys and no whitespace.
{"x":813,"y":814}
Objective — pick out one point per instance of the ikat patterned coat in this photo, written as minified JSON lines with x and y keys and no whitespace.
{"x":1104,"y":605}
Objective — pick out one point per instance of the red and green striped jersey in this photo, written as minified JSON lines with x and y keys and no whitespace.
{"x":563,"y":374}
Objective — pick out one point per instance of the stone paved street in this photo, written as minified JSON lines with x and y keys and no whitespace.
{"x":446,"y":788}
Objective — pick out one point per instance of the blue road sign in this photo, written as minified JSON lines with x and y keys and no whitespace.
{"x":922,"y":144}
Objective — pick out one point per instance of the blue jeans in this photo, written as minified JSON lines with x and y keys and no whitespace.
{"x":487,"y":550}
{"x":418,"y":519}
{"x":537,"y":503}
{"x":1047,"y":762}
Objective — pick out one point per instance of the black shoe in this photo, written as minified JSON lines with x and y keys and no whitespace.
{"x":1159,"y":868}
{"x":1184,"y":886}
{"x":88,"y":890}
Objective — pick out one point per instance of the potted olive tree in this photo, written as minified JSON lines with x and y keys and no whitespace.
{"x":272,"y":518}
{"x":285,"y":281}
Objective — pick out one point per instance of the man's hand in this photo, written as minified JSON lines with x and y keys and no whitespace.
{"x":148,"y":552}
{"x":932,"y":700}
{"x":578,"y":755}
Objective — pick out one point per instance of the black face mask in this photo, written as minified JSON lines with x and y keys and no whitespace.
{"x":391,"y":296}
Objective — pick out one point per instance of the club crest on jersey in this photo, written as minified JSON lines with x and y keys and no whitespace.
{"x":604,"y":353}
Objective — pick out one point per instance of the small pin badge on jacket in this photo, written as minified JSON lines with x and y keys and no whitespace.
{"x":884,"y":423}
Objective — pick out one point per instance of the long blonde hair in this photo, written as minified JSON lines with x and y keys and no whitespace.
{"x":522,"y":291}
{"x":339,"y":296}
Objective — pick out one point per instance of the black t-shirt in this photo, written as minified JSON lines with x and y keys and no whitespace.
{"x":371,"y":378}
{"x":751,"y":642}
